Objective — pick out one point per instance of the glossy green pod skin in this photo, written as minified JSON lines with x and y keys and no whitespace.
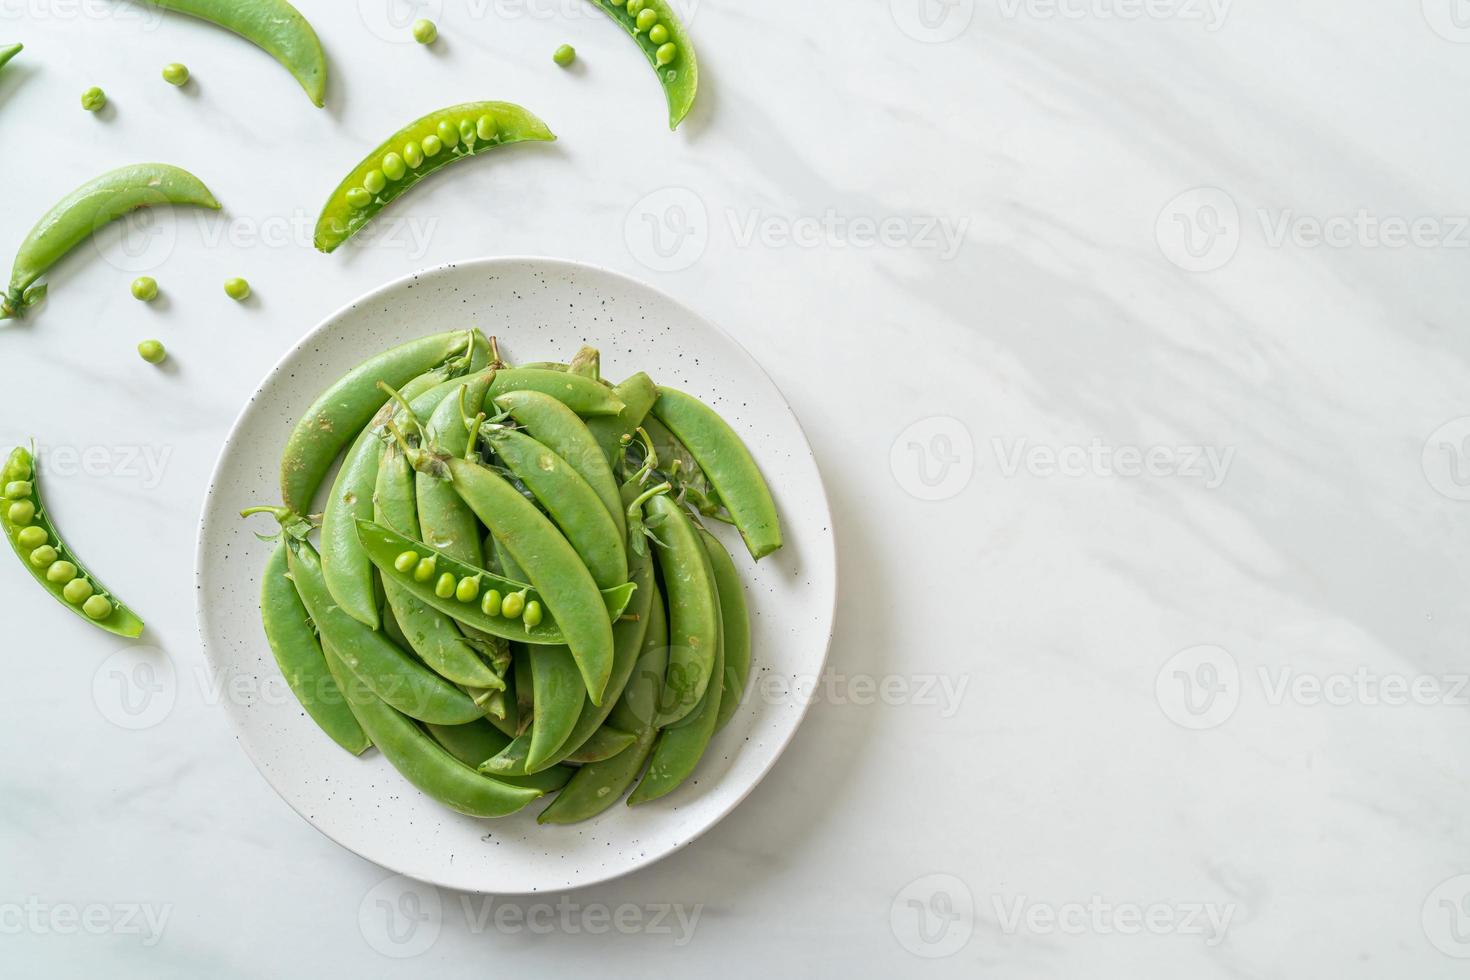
{"x":343,"y":410}
{"x":423,"y":761}
{"x":605,"y":743}
{"x":727,"y":463}
{"x":557,"y":696}
{"x":20,"y":471}
{"x":582,"y":395}
{"x":694,"y":611}
{"x":558,"y":428}
{"x":735,"y":621}
{"x":299,"y":655}
{"x":8,"y":52}
{"x":637,"y":394}
{"x":355,"y":202}
{"x":84,"y":211}
{"x":472,"y":744}
{"x":275,"y":27}
{"x":446,"y":523}
{"x":679,"y":76}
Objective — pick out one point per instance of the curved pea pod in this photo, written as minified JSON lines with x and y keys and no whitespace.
{"x":446,"y":522}
{"x":341,"y":412}
{"x":637,"y":395}
{"x":50,"y":562}
{"x":582,"y":395}
{"x":390,"y":673}
{"x":472,"y":744}
{"x":553,"y":566}
{"x":570,"y":500}
{"x":598,"y":785}
{"x":408,"y":156}
{"x":274,"y":26}
{"x":557,"y":694}
{"x":605,"y":743}
{"x":9,"y":51}
{"x":558,"y":428}
{"x":299,"y":655}
{"x":84,"y":211}
{"x":669,"y":50}
{"x":423,"y":761}
{"x":728,"y":465}
{"x":694,"y":611}
{"x":385,"y":546}
{"x":734,"y":621}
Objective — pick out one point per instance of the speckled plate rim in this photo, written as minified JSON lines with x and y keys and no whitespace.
{"x":490,"y":264}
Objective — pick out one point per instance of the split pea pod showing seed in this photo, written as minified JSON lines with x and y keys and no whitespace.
{"x":84,"y":211}
{"x":274,"y":26}
{"x":656,"y":29}
{"x":423,"y":146}
{"x":46,"y":556}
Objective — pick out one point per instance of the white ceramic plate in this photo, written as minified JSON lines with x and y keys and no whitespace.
{"x":541,"y":309}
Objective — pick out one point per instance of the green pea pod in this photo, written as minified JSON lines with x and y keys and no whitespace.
{"x":446,"y":523}
{"x":385,"y":546}
{"x":637,"y":395}
{"x":421,"y":760}
{"x":694,"y":611}
{"x":605,"y":743}
{"x":431,"y":634}
{"x":84,"y":211}
{"x":582,"y":395}
{"x":728,"y":465}
{"x":8,"y":52}
{"x":587,"y":362}
{"x":559,"y":429}
{"x":573,"y":504}
{"x":735,"y":621}
{"x":598,"y":785}
{"x":345,"y":565}
{"x":408,"y":156}
{"x":272,"y":25}
{"x":344,"y":409}
{"x":674,"y":458}
{"x":558,"y":694}
{"x":662,"y":38}
{"x":299,"y":655}
{"x":50,"y":562}
{"x":553,"y":566}
{"x":477,"y":741}
{"x":393,"y":675}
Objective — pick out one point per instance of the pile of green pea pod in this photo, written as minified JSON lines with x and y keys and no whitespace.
{"x":514,"y":593}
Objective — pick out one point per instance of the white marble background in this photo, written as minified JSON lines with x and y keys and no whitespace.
{"x":1151,"y":537}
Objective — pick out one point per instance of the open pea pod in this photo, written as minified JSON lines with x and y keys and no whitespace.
{"x":274,"y":26}
{"x":656,"y":29}
{"x":424,"y":146}
{"x":388,"y":550}
{"x":48,"y":559}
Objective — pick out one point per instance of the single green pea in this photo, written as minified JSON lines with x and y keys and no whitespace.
{"x":666,"y":53}
{"x":61,"y":572}
{"x":431,"y":145}
{"x":514,"y":605}
{"x":490,"y":605}
{"x":175,"y":73}
{"x":444,"y":588}
{"x":93,"y":99}
{"x":636,"y":6}
{"x":16,"y":469}
{"x":405,"y":562}
{"x":374,"y":181}
{"x":425,"y":31}
{"x":467,"y":132}
{"x":21,"y":512}
{"x":145,"y":288}
{"x":532,"y":615}
{"x":424,"y":570}
{"x":448,"y":134}
{"x":658,"y":34}
{"x":32,"y":537}
{"x":486,"y":127}
{"x":393,"y":166}
{"x":77,"y":591}
{"x":468,"y":589}
{"x":152,"y":351}
{"x":237,"y":288}
{"x":358,"y":198}
{"x":97,"y":607}
{"x":43,"y":556}
{"x":413,"y":154}
{"x":17,"y":489}
{"x":564,"y":55}
{"x":646,"y":19}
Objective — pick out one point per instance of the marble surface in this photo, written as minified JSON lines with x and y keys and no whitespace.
{"x":1128,"y":335}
